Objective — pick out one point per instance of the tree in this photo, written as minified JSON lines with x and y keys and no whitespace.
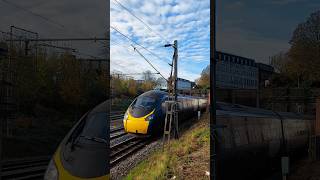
{"x":204,"y":80}
{"x":148,"y":76}
{"x":161,"y":82}
{"x":132,"y":87}
{"x":279,"y":62}
{"x":71,"y":85}
{"x":118,"y":85}
{"x":304,"y":53}
{"x":149,"y":81}
{"x":147,"y":86}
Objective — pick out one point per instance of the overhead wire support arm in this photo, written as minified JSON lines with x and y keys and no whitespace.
{"x":174,"y":66}
{"x":57,"y":47}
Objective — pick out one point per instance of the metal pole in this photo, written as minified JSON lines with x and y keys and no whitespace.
{"x":258,"y":89}
{"x":175,"y":65}
{"x":174,"y":80}
{"x":108,"y":79}
{"x":212,"y":108}
{"x":26,"y":48}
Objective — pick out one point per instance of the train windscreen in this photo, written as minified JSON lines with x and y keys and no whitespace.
{"x":145,"y":102}
{"x":96,"y":126}
{"x":142,"y":106}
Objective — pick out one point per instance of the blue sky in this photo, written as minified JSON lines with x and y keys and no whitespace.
{"x":187,"y":21}
{"x":259,"y":29}
{"x":249,"y":28}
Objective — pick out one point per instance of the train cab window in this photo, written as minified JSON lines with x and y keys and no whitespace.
{"x":92,"y":130}
{"x":145,"y":102}
{"x":96,"y":126}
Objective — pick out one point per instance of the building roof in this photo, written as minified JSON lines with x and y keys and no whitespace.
{"x":185,"y":80}
{"x":235,"y":58}
{"x":265,"y":67}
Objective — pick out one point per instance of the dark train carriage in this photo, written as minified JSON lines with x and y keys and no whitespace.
{"x":253,"y":139}
{"x":82,"y":153}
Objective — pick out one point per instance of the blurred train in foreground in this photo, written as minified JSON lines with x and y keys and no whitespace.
{"x":251,"y":141}
{"x":82,"y":153}
{"x":146,"y":114}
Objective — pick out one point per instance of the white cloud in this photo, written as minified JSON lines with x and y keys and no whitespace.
{"x":185,"y":21}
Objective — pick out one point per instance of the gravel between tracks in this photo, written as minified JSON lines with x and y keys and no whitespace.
{"x":121,"y":169}
{"x":120,"y":139}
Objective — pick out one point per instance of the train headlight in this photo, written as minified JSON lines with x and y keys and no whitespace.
{"x":149,"y":118}
{"x":51,"y":172}
{"x":125,"y":117}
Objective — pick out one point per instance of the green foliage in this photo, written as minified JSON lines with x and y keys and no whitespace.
{"x":59,"y":83}
{"x":204,"y":81}
{"x":51,"y":93}
{"x":300,"y":66}
{"x":122,"y":86}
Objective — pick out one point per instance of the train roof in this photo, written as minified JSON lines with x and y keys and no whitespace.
{"x":162,"y":93}
{"x":240,"y":110}
{"x":154,"y":93}
{"x":102,"y":107}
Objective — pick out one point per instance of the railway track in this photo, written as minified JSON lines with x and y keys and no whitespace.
{"x":117,"y":132}
{"x":23,"y":169}
{"x":115,"y":117}
{"x":126,"y":148}
{"x":35,"y":167}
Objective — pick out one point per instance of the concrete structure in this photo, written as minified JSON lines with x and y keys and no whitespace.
{"x":264,"y":74}
{"x":184,"y":84}
{"x":161,"y":84}
{"x":139,"y":81}
{"x":236,"y":72}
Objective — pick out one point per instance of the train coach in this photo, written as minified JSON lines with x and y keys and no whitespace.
{"x":146,"y":114}
{"x":251,"y":141}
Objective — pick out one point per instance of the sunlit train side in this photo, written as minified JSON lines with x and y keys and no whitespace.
{"x":146,"y":114}
{"x":82,"y":153}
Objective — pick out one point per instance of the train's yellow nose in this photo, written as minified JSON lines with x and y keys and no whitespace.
{"x":136,"y":125}
{"x":65,"y":175}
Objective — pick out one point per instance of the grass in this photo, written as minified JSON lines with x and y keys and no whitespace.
{"x":187,"y":158}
